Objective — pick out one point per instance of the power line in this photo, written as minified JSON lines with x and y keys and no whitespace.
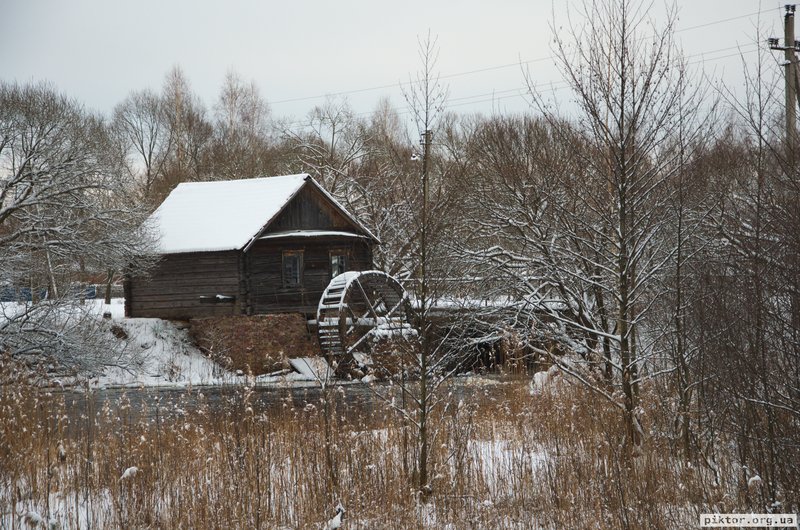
{"x":401,"y":84}
{"x":552,"y":86}
{"x":705,"y":25}
{"x":524,"y":90}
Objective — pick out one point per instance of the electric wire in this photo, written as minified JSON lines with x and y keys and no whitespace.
{"x":518,"y":64}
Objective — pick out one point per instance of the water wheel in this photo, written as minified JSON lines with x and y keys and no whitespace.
{"x":356,"y":311}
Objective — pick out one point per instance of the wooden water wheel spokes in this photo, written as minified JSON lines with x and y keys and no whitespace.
{"x":357,"y":310}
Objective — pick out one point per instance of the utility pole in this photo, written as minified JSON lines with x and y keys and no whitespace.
{"x":792,"y":93}
{"x":424,"y":324}
{"x":790,"y":74}
{"x":426,"y":143}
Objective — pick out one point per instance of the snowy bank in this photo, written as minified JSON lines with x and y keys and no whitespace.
{"x":162,"y":354}
{"x":151,"y":352}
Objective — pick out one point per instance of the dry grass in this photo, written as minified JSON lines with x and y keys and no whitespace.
{"x":502,"y":459}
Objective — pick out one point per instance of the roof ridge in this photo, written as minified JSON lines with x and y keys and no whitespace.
{"x":250,"y":179}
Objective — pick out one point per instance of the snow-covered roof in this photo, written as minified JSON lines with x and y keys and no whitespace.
{"x":225,"y":215}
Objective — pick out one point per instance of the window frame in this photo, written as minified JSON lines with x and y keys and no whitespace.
{"x":298,"y":254}
{"x":338,"y":253}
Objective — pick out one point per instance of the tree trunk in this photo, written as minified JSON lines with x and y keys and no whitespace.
{"x":109,"y":280}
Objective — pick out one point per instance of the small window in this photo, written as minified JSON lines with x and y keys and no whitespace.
{"x":338,"y":263}
{"x":292,"y":268}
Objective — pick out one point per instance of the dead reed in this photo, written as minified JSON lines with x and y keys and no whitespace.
{"x":503,"y":458}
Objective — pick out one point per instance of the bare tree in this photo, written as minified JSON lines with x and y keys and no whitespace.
{"x":190,"y":130}
{"x":330,"y":144}
{"x":141,"y":128}
{"x":241,"y":146}
{"x":377,"y":185}
{"x":61,"y":212}
{"x":431,"y":207}
{"x":754,"y":352}
{"x":240,"y":109}
{"x":586,"y":210}
{"x":634,"y":95}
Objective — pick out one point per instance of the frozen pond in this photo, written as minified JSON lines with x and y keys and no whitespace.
{"x":227,"y":400}
{"x":349,"y":399}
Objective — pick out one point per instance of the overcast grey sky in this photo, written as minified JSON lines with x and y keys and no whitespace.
{"x":99,"y":50}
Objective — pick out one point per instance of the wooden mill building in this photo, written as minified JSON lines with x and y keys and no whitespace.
{"x":263,"y":245}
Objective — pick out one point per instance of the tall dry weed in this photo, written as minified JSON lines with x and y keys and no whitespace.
{"x":502,"y":458}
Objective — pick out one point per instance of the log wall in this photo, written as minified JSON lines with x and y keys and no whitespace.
{"x":184,"y":286}
{"x":264,"y":266}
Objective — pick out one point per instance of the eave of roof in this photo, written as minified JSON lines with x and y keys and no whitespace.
{"x":312,"y":234}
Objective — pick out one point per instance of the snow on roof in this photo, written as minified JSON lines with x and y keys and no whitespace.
{"x":220,"y":215}
{"x":311,"y":233}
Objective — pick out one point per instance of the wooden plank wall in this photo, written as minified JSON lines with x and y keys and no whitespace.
{"x":310,"y":210}
{"x":175,"y":285}
{"x":265,"y":274}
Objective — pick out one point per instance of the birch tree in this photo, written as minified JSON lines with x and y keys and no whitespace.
{"x":140,"y":127}
{"x":241,"y":146}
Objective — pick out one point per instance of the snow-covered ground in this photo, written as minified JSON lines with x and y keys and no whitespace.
{"x":150,"y":352}
{"x":163,"y":355}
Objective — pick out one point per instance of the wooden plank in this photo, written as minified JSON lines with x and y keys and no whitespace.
{"x":182,"y":299}
{"x":223,"y":308}
{"x":185,"y":289}
{"x":310,"y":210}
{"x":204,"y":285}
{"x":184,"y":313}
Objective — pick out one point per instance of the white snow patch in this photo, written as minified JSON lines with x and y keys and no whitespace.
{"x":312,"y":368}
{"x":116,"y":308}
{"x":545,"y":381}
{"x":151,"y":352}
{"x":33,"y":519}
{"x":129,"y":473}
{"x":500,"y":458}
{"x":362,"y":359}
{"x":336,"y":521}
{"x":312,"y":233}
{"x":158,"y":353}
